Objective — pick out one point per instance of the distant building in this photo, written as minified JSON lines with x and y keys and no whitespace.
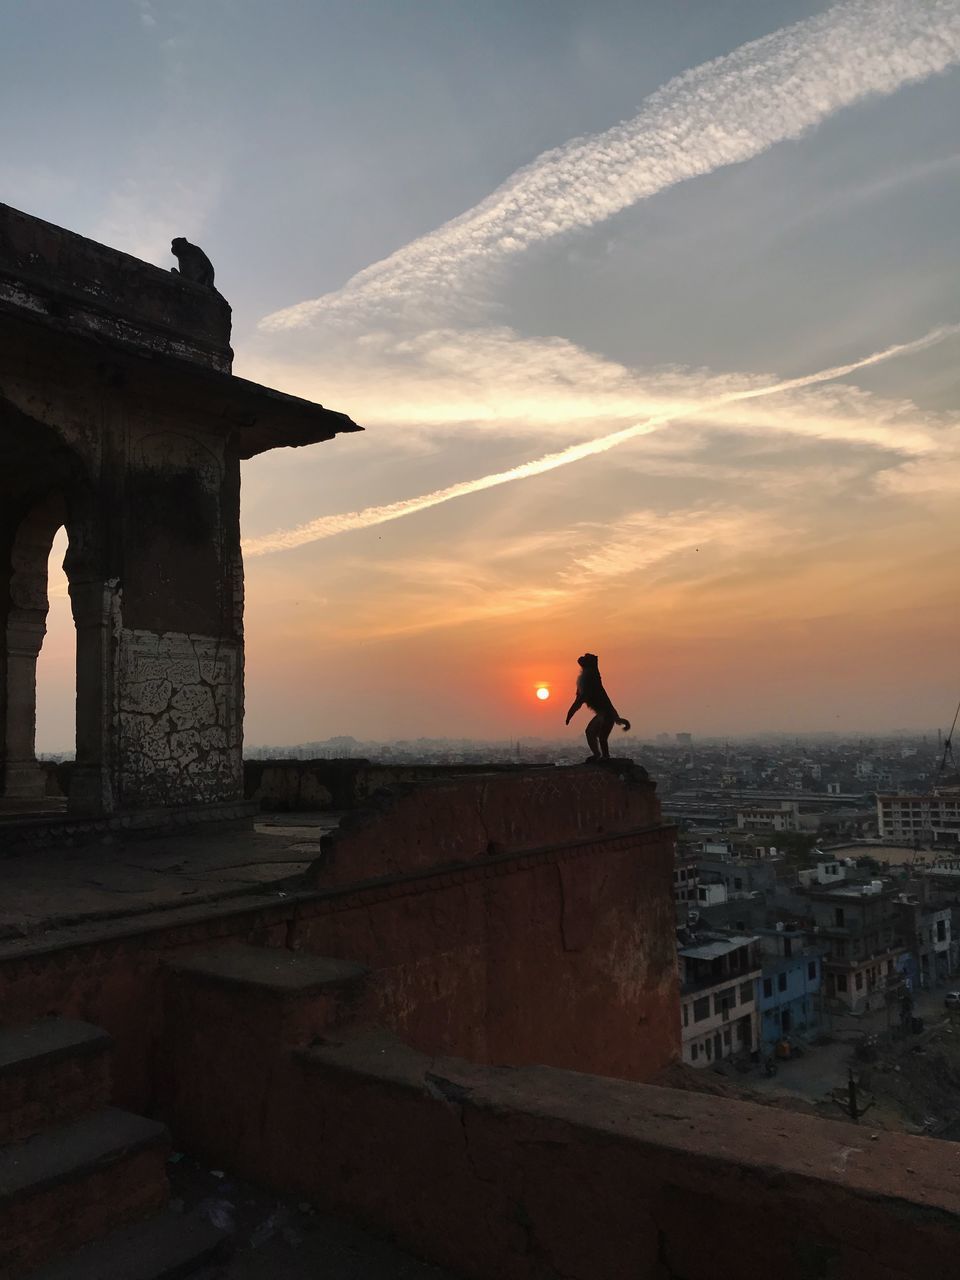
{"x":685,"y":876}
{"x":718,"y":1006}
{"x":741,"y":876}
{"x":684,"y":739}
{"x":782,"y":817}
{"x":927,"y":932}
{"x":788,"y":990}
{"x":860,"y":926}
{"x":824,"y":873}
{"x":711,"y":893}
{"x":767,"y":851}
{"x":928,"y":819}
{"x":839,"y":821}
{"x":715,"y":847}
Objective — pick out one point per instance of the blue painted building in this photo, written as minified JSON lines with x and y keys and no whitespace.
{"x":788,"y":989}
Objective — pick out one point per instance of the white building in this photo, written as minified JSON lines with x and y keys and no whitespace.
{"x":712,"y":894}
{"x":718,"y":1000}
{"x":930,"y":819}
{"x":783,"y":817}
{"x":714,"y":847}
{"x":824,"y":873}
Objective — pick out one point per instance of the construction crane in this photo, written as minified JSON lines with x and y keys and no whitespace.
{"x":948,"y":746}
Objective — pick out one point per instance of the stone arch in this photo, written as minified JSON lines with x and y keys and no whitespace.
{"x":43,"y":486}
{"x":26,"y":625}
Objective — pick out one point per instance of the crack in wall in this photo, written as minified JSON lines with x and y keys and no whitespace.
{"x":179,"y":717}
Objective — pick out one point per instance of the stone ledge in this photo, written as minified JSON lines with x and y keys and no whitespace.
{"x":553,"y":1173}
{"x":271,"y":970}
{"x":73,"y":1149}
{"x":49,"y":1040}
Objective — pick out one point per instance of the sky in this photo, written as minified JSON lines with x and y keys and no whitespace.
{"x":649,"y":310}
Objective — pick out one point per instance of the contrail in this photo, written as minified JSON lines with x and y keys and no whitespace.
{"x":327,"y":526}
{"x":720,"y":113}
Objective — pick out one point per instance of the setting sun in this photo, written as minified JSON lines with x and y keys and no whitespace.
{"x":543,"y":693}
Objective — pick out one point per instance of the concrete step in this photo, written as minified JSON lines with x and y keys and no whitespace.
{"x":50,"y":1071}
{"x":75,"y":1183}
{"x":270,"y":970}
{"x":231,"y":1017}
{"x":293,"y":994}
{"x":167,"y":1246}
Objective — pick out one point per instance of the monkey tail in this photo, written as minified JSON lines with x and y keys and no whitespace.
{"x":626,"y":725}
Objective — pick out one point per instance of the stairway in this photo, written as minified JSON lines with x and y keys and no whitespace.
{"x":78,"y":1174}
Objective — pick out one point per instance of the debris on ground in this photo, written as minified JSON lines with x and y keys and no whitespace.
{"x":274,"y":1238}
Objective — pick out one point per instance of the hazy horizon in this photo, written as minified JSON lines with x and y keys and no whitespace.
{"x":649,"y":312}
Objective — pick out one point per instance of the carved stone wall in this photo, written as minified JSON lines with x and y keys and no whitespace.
{"x":180,"y":718}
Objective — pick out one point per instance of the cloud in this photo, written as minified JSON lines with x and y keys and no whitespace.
{"x":148,"y":210}
{"x":647,"y":538}
{"x":925,"y":478}
{"x":917,"y":442}
{"x":497,"y":381}
{"x":398,"y":365}
{"x":723,"y":112}
{"x":148,"y":18}
{"x":176,"y":177}
{"x":488,"y":576}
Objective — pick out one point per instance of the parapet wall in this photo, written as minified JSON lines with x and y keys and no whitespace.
{"x":533,"y":919}
{"x":291,"y":786}
{"x":533,"y":1173}
{"x":404,"y":826}
{"x":538,"y":1174}
{"x":558,"y":955}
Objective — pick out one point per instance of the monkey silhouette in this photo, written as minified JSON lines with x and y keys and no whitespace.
{"x":590,"y":690}
{"x":194,"y":265}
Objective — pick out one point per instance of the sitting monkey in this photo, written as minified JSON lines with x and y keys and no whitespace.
{"x":194,"y":263}
{"x":590,"y":690}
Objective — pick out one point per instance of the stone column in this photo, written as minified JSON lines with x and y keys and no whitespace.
{"x":95,"y":605}
{"x":24,"y":779}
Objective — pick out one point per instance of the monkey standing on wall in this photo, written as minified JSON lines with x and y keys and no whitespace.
{"x":194,"y":265}
{"x":590,"y":690}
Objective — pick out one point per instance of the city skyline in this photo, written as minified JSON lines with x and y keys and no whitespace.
{"x":650,"y":319}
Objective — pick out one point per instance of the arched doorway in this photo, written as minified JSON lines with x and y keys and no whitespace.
{"x":26,"y":625}
{"x":43,"y":488}
{"x":57,"y":664}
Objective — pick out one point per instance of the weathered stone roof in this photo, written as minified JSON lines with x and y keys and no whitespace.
{"x":59,"y":276}
{"x":157,"y":335}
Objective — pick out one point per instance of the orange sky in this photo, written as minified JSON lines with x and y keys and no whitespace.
{"x":661,"y":366}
